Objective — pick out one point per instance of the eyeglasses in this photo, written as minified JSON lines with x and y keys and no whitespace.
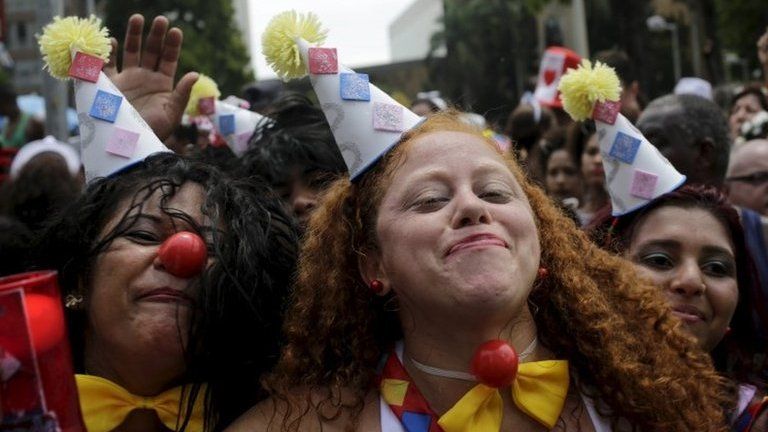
{"x":756,"y":178}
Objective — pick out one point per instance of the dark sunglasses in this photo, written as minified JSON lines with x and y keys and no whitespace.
{"x":755,"y":178}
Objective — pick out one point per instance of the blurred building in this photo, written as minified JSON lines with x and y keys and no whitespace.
{"x":563,"y":24}
{"x":22,"y":22}
{"x":19,"y":37}
{"x":410,"y":33}
{"x":241,"y":20}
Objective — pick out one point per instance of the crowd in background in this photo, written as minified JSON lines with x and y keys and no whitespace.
{"x":291,"y":168}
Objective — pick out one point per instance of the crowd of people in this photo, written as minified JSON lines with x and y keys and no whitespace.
{"x":598,"y":263}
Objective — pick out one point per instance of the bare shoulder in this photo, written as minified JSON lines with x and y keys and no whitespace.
{"x":268,"y":415}
{"x":310,"y":410}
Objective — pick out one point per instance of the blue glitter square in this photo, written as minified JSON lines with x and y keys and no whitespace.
{"x":354,"y":86}
{"x":415,"y":422}
{"x":227,"y":124}
{"x":106,"y":106}
{"x":625,"y":148}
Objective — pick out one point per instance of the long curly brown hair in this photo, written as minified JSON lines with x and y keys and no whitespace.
{"x":616,"y":331}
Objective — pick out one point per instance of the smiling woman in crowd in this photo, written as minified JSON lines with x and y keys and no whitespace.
{"x":453,"y":251}
{"x":690,"y":244}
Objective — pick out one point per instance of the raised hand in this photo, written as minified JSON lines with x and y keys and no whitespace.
{"x":147,"y":76}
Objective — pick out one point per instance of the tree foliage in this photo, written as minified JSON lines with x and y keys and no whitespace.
{"x":213,"y":44}
{"x":490,"y":51}
{"x":741,"y":22}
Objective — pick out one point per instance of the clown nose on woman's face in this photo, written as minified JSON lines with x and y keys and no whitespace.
{"x":183,"y":254}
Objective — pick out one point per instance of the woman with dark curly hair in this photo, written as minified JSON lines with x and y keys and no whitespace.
{"x":148,"y":319}
{"x":295,"y":153}
{"x":442,"y":245}
{"x":173,"y":272}
{"x":690,"y":244}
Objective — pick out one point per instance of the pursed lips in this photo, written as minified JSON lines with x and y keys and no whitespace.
{"x":165,"y":295}
{"x":476,"y":240}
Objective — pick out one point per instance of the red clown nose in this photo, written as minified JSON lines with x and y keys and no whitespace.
{"x":495,"y":364}
{"x":183,"y":254}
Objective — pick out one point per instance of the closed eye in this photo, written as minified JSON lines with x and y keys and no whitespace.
{"x":429,"y":204}
{"x":142,"y":237}
{"x":496,"y":197}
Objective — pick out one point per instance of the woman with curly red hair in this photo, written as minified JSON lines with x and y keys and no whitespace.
{"x":442,"y":245}
{"x":424,"y":274}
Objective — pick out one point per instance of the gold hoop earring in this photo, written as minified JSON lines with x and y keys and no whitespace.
{"x":73,"y":301}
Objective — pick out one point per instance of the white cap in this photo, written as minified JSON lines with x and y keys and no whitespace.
{"x":365,"y":121}
{"x":635,"y":172}
{"x":235,"y":124}
{"x":113,"y":135}
{"x":47,"y":144}
{"x":695,"y":86}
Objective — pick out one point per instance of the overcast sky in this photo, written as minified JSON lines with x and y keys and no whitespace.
{"x":357,"y":28}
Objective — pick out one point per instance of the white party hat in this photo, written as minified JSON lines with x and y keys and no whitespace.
{"x":635,"y":172}
{"x":236,"y":125}
{"x":233,"y":121}
{"x":365,"y":121}
{"x":113,"y":136}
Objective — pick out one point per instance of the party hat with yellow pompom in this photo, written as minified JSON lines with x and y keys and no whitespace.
{"x":635,"y":171}
{"x":113,"y":136}
{"x":230,"y":117}
{"x":366,"y":122}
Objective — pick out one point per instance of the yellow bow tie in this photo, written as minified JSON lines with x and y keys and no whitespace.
{"x":539,"y":391}
{"x":105,"y":405}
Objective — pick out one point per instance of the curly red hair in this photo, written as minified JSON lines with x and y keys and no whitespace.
{"x":616,"y":331}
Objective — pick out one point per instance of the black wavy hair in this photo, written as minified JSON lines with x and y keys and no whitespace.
{"x":235,"y":331}
{"x":14,"y":246}
{"x":297,"y":137}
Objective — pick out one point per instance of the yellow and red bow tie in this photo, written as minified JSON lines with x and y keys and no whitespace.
{"x":105,"y":405}
{"x":539,"y":390}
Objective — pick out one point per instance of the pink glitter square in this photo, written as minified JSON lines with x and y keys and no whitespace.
{"x":86,"y":67}
{"x":241,"y":142}
{"x":607,"y":111}
{"x":643,"y":184}
{"x":206,"y":106}
{"x":122,"y":143}
{"x":323,"y":61}
{"x":387,"y":117}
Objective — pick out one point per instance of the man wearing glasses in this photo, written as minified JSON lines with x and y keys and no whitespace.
{"x":747,"y":177}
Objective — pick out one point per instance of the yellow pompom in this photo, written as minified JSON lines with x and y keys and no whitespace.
{"x":581,"y":88}
{"x":204,"y":87}
{"x":279,"y":42}
{"x":65,"y":36}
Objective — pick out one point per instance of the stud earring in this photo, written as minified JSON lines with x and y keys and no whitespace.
{"x":376,"y":286}
{"x":543,"y":273}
